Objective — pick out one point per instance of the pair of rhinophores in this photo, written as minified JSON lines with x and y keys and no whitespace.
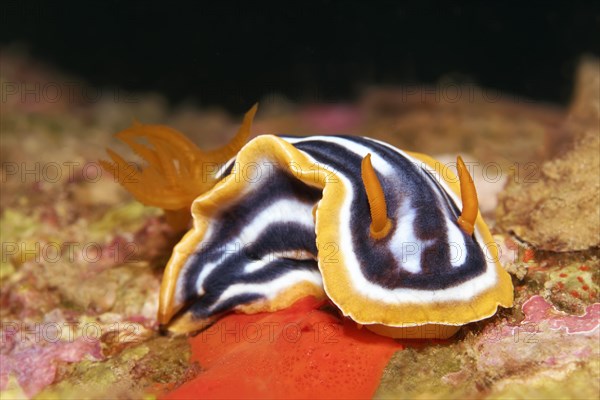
{"x":392,"y":238}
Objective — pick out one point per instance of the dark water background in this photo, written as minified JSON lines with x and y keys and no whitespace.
{"x":231,"y":54}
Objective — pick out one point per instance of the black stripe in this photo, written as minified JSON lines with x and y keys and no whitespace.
{"x":200,"y":308}
{"x":231,"y":273}
{"x":282,"y":237}
{"x":277,"y":237}
{"x":452,"y":206}
{"x":377,"y":263}
{"x":232,"y":220}
{"x":227,"y":170}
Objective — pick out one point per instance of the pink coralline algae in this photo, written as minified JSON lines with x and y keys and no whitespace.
{"x":538,"y":342}
{"x":541,"y":319}
{"x":35,"y":365}
{"x":537,"y":309}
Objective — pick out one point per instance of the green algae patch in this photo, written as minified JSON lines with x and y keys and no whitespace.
{"x":575,"y":285}
{"x":128,"y":289}
{"x":100,"y":378}
{"x":569,"y":280}
{"x":6,"y":269}
{"x":126,"y":218}
{"x":15,"y":224}
{"x":136,"y":372}
{"x":580,"y":383}
{"x":16,"y":231}
{"x":426,"y":373}
{"x":13,"y":390}
{"x":169,"y":361}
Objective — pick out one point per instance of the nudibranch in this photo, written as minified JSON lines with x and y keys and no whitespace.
{"x":393,"y":238}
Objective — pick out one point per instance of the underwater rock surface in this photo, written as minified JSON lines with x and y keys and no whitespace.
{"x":82,"y":262}
{"x":559,"y":208}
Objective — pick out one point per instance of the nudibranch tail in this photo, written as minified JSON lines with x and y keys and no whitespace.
{"x":176,"y":170}
{"x":380,"y":223}
{"x":468,"y":195}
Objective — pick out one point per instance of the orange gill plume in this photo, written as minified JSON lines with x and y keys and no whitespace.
{"x":380,"y":223}
{"x":468,"y":194}
{"x":177,"y":171}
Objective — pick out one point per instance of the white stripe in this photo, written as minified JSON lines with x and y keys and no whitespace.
{"x":270,"y":289}
{"x":424,"y":166}
{"x":297,"y":254}
{"x":456,"y":242}
{"x":404,"y":244}
{"x":282,"y":211}
{"x":180,"y":285}
{"x":379,"y":164}
{"x":366,"y":288}
{"x":458,"y":252}
{"x":221,"y":171}
{"x":208,"y":268}
{"x":462,"y":292}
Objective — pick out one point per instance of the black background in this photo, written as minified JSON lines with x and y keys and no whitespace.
{"x":231,"y":54}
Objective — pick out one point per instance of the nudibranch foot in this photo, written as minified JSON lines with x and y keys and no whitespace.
{"x":427,"y":331}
